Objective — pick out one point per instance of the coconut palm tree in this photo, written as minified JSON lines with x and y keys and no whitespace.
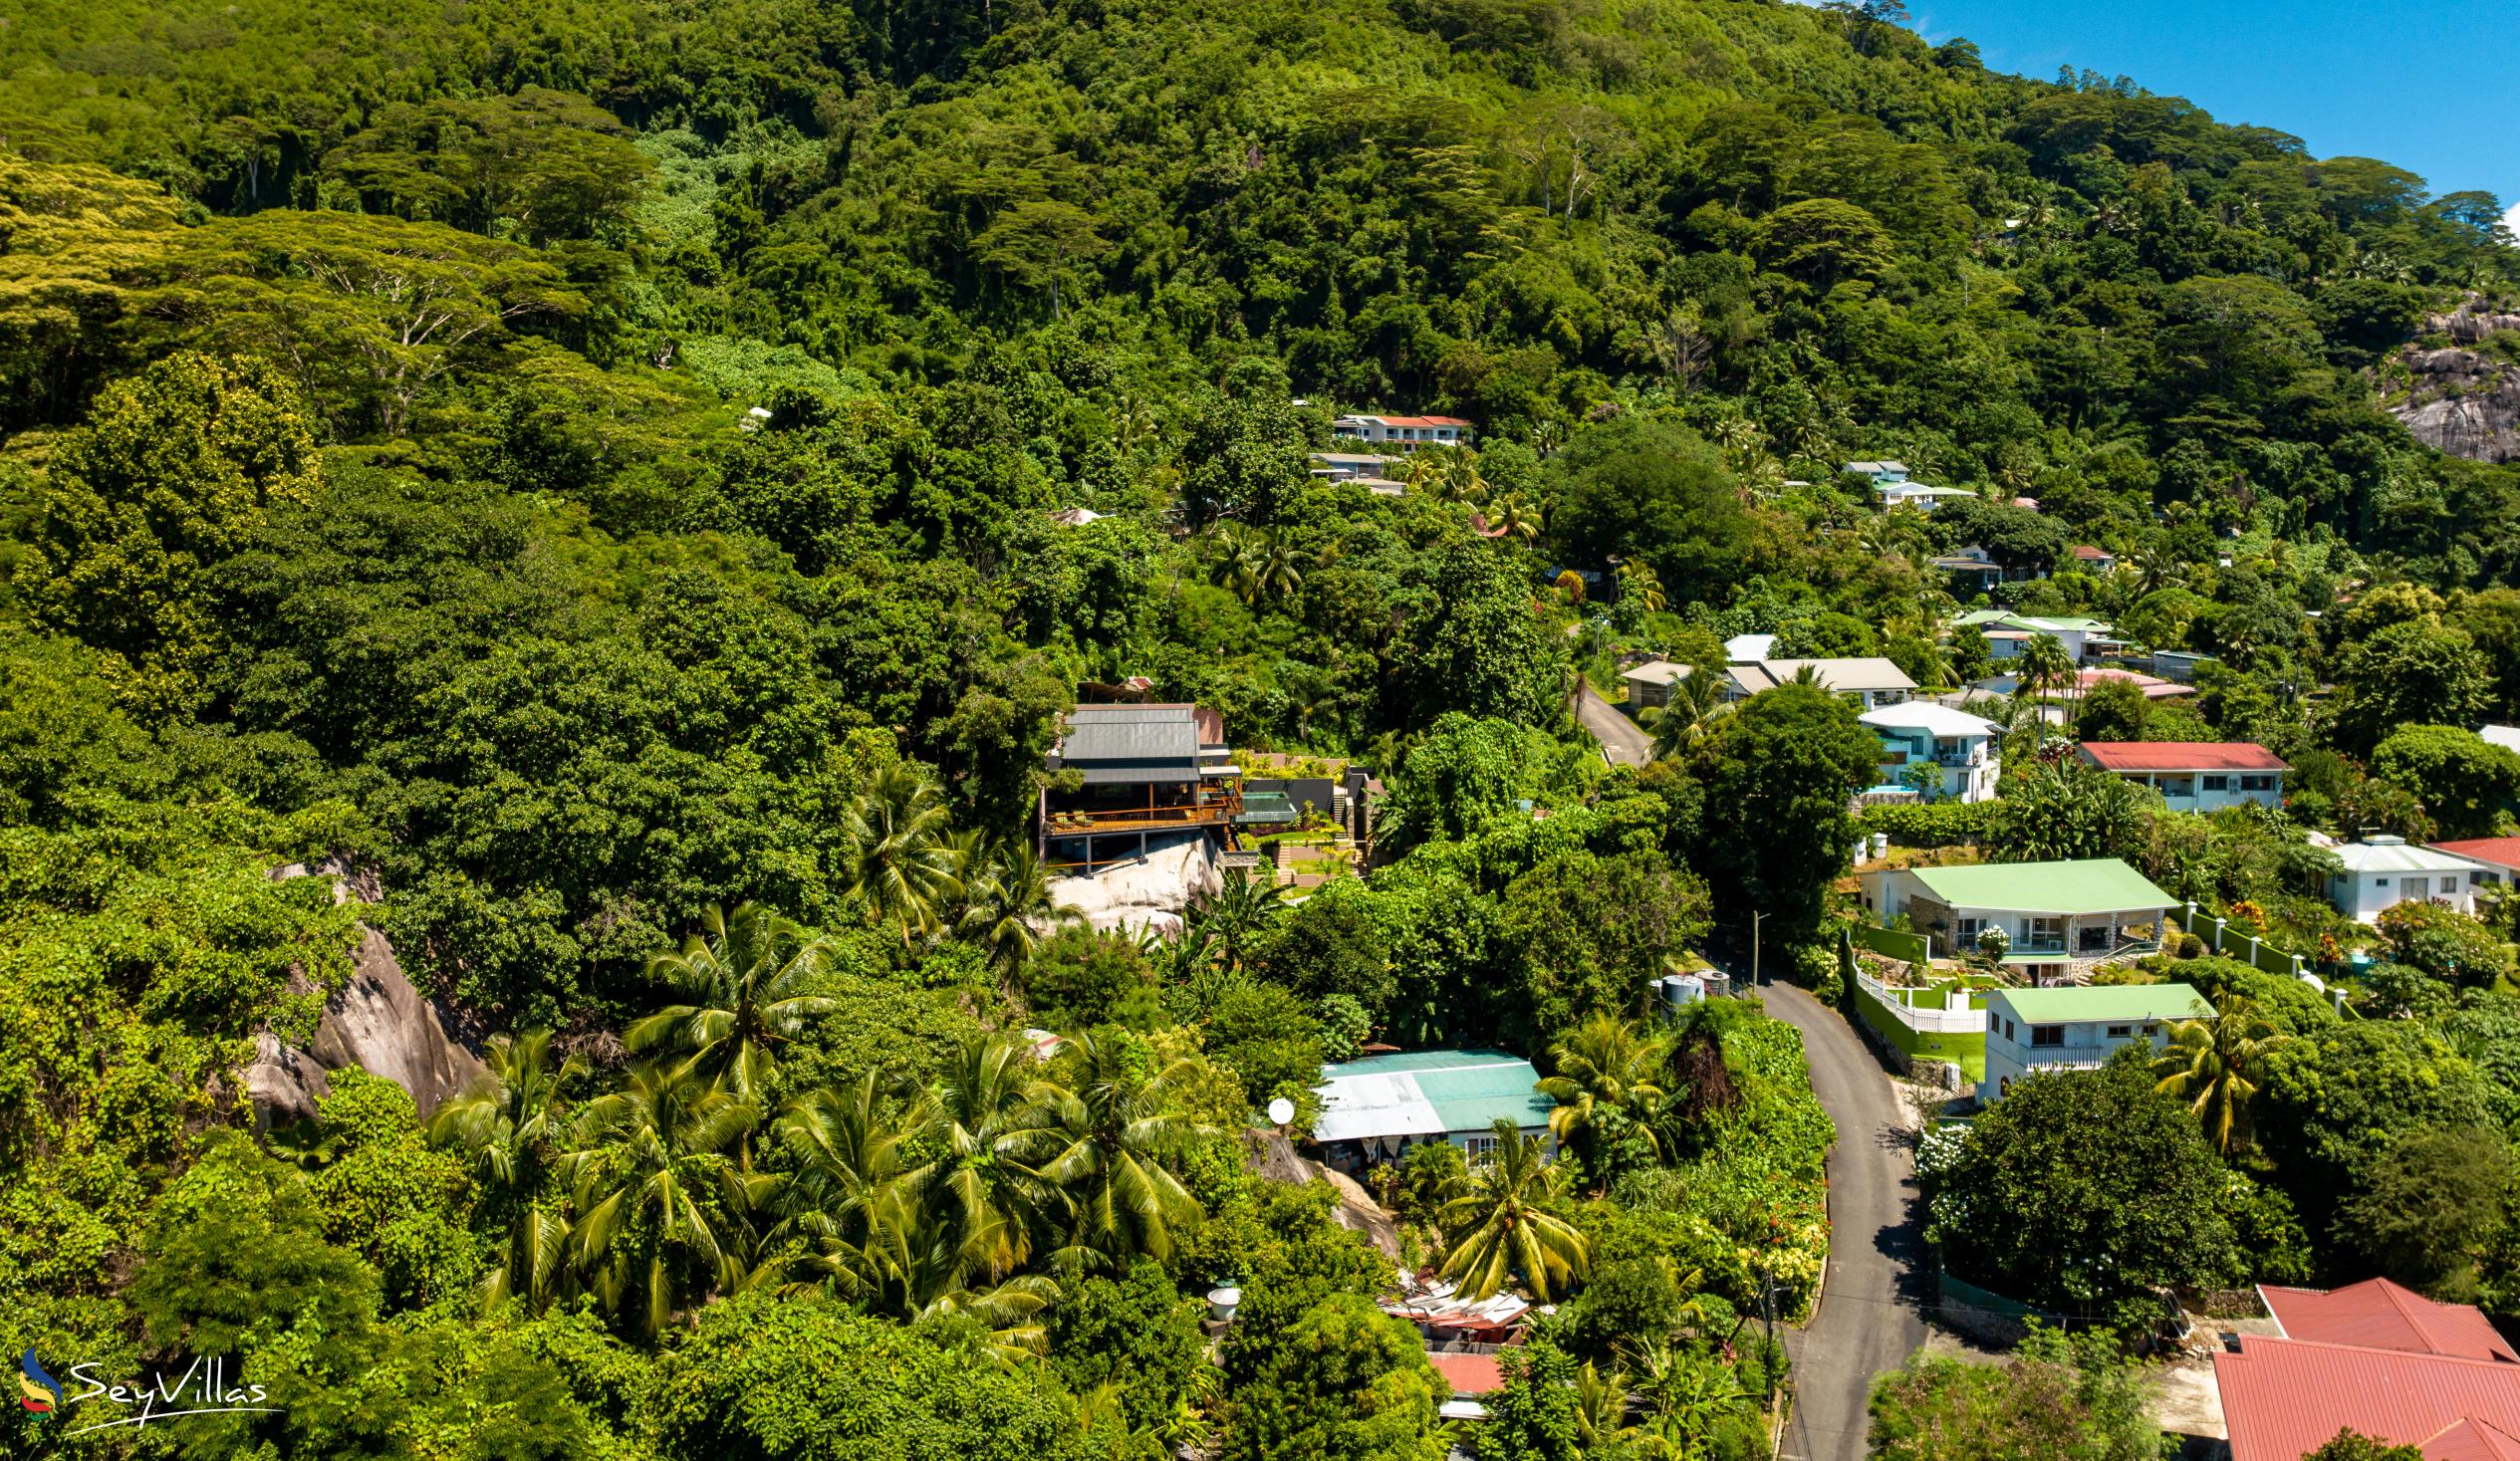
{"x":742,"y":987}
{"x":2044,"y":666}
{"x":1696,"y":707}
{"x":1009,"y":901}
{"x":896,"y":853}
{"x":1514,"y":516}
{"x":657,"y":1197}
{"x":1606,"y":1065}
{"x":1637,"y":580}
{"x":1124,"y":1137}
{"x":1687,"y":1399}
{"x":511,"y":1123}
{"x":1509,"y":1224}
{"x":1239,"y":914}
{"x":916,"y":1260}
{"x":992,"y":1123}
{"x":2213,"y":1066}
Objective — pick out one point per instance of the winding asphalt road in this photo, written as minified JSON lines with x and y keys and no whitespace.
{"x":1623,"y":742}
{"x":1869,"y":1319}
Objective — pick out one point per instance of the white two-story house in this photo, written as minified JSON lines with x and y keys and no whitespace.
{"x":1405,"y":432}
{"x":2077,"y":1028}
{"x":2195,"y":776}
{"x":1960,"y":745}
{"x":2057,"y":918}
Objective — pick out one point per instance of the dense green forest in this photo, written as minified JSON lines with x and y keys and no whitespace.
{"x":595,"y":465}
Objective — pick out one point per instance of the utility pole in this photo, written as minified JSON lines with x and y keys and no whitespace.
{"x":1767,"y":1362}
{"x":1756,"y":915}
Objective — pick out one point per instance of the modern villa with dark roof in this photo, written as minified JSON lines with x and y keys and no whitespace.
{"x":1141,"y":772}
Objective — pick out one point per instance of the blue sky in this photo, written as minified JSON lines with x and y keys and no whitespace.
{"x":2432,"y":87}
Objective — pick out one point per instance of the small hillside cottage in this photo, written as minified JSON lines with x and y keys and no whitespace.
{"x":1921,"y":733}
{"x":2077,"y":1028}
{"x":1650,"y":685}
{"x":1870,"y":682}
{"x":2195,"y":776}
{"x":1373,"y":1110}
{"x":2381,"y":872}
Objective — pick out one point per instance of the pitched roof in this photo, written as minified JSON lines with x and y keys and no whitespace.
{"x":1927,"y":716}
{"x":2502,"y":851}
{"x":2467,"y":1439}
{"x":2084,"y":886}
{"x":2152,"y":688}
{"x":1428,"y":1092}
{"x":2066,"y":1002}
{"x":2089,"y":553}
{"x":2285,"y":1398}
{"x":2181,"y":755}
{"x":2392,"y":854}
{"x":1870,"y":672}
{"x":1129,"y":742}
{"x":1656,"y":672}
{"x":1742,"y":649}
{"x":2505,"y":736}
{"x":2380,"y":1314}
{"x":1468,"y":1375}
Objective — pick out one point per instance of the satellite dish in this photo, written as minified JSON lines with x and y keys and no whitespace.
{"x":1281,"y":1112}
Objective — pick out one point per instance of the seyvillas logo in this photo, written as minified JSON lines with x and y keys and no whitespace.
{"x":203,"y":1390}
{"x":37,"y":1391}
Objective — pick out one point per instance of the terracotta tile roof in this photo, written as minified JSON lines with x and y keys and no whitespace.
{"x":2089,"y":553}
{"x":2181,"y":755}
{"x":2502,"y":851}
{"x":2380,"y":1314}
{"x":2284,"y":1397}
{"x":1470,"y":1375}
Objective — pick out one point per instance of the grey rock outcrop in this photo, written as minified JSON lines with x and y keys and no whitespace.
{"x":377,"y":1021}
{"x":2459,"y":399}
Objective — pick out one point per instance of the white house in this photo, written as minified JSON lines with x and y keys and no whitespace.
{"x":1406,"y":433}
{"x":1917,"y":495}
{"x":2195,"y":776}
{"x":1870,"y":681}
{"x":2505,"y":736}
{"x":2056,"y":917}
{"x":2097,"y":560}
{"x":2382,"y":870}
{"x":2006,"y":632}
{"x":1884,"y":474}
{"x":1749,"y":648}
{"x":2077,"y":1028}
{"x":1921,"y":732}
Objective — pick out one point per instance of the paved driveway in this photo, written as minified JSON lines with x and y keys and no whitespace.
{"x":1868,"y":1320}
{"x":1623,"y":742}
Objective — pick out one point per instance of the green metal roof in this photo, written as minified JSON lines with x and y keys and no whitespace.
{"x":2087,"y":886}
{"x":2117,"y":1002}
{"x":1467,"y":1089}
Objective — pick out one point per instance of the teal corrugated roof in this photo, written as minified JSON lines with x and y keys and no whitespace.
{"x":1467,"y":1089}
{"x":2086,"y":886}
{"x":1424,"y":1060}
{"x":2103,"y":1002}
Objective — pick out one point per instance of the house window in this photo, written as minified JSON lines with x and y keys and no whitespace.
{"x":1478,"y":1146}
{"x":2121,"y":1032}
{"x":2151,"y":1029}
{"x":2380,"y":882}
{"x":1970,"y":928}
{"x":2257,"y":783}
{"x":2043,"y":1037}
{"x":2217,"y":783}
{"x":2008,"y":1031}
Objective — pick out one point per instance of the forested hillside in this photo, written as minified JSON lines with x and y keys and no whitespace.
{"x":591,"y":463}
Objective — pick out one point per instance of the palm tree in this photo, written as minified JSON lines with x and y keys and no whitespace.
{"x":991,"y":1123}
{"x":741,"y":986}
{"x":1606,"y":1065}
{"x":2044,"y":666}
{"x":1637,"y":580}
{"x":1515,"y":516}
{"x":1508,"y":1224}
{"x":2214,"y":1064}
{"x":510,"y":1124}
{"x":1009,"y":900}
{"x":1238,"y":913}
{"x":1687,"y":1399}
{"x":916,"y":1260}
{"x":1696,"y":707}
{"x":896,"y":856}
{"x":657,"y":1197}
{"x":1124,"y":1135}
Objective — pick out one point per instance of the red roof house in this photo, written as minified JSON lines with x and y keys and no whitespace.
{"x":2125,"y":756}
{"x":2501,"y":852}
{"x":1470,"y":1375}
{"x":2284,"y":1397}
{"x":2378,"y":1315}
